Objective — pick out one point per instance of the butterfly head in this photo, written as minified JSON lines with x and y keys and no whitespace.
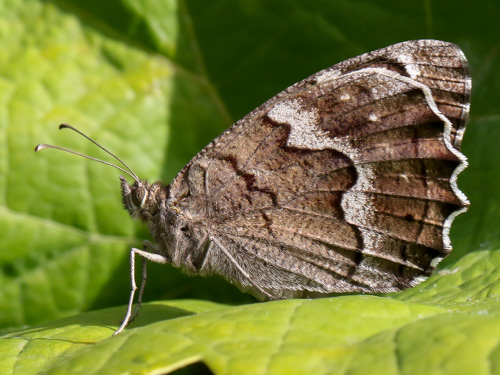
{"x":142,"y":199}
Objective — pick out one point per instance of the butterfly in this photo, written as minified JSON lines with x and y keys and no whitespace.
{"x":344,"y":182}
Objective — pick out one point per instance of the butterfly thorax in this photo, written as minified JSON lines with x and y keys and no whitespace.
{"x":178,"y":235}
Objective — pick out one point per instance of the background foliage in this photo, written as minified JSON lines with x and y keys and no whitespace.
{"x":155,"y":81}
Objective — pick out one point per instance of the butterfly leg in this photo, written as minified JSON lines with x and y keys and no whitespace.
{"x":153,"y":250}
{"x":145,"y":255}
{"x":243,"y":272}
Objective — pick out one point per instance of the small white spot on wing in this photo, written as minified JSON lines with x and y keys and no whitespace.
{"x":372,"y":117}
{"x":345,"y":96}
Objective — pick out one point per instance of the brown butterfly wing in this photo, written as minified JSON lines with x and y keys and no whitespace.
{"x":345,"y":181}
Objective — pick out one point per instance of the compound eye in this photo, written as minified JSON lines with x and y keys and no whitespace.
{"x":138,"y":196}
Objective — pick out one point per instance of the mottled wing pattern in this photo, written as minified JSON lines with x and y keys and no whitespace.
{"x":345,"y":181}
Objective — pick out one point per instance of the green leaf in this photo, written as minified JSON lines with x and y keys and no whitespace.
{"x":155,"y":81}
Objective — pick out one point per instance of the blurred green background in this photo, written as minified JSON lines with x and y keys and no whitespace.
{"x":155,"y":81}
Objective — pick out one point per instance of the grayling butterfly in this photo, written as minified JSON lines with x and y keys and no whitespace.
{"x":344,"y":182}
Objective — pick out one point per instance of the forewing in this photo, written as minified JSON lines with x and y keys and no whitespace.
{"x":345,"y":181}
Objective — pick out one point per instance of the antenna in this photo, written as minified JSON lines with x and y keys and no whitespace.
{"x":130,"y":172}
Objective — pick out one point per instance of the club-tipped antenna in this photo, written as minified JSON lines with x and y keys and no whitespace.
{"x":129,"y":172}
